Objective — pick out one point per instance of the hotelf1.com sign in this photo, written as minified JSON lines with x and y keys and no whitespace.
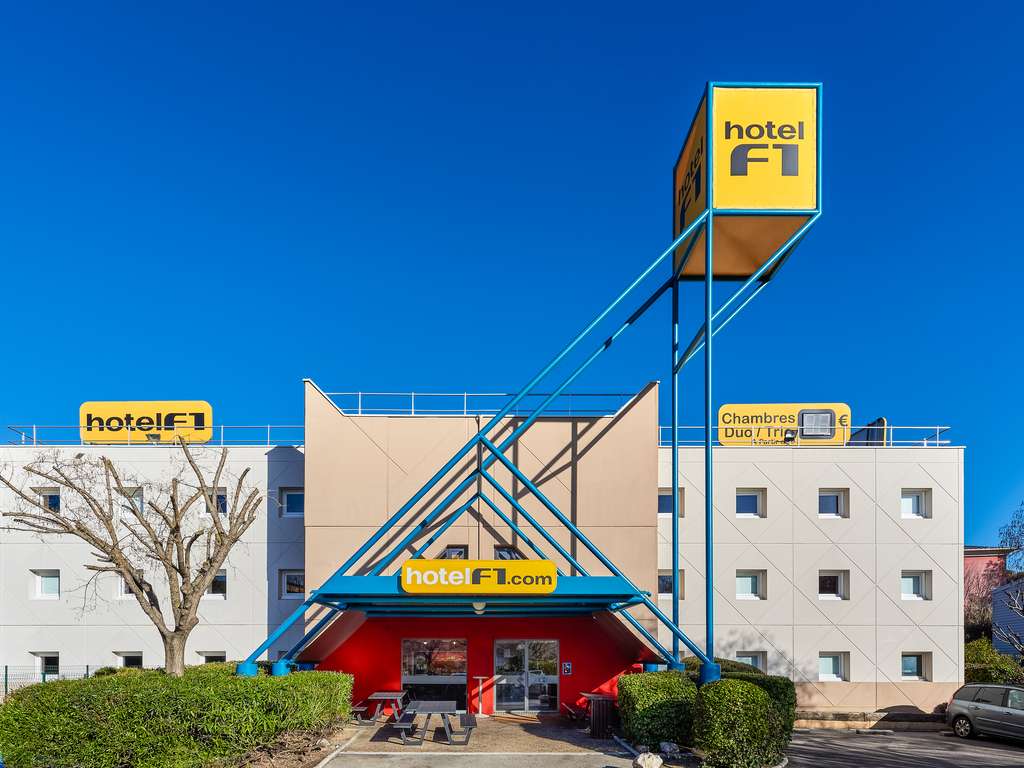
{"x":479,"y":577}
{"x":145,"y":421}
{"x":751,"y":157}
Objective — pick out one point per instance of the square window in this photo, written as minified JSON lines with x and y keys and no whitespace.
{"x":750,"y":585}
{"x":47,"y":584}
{"x":136,"y":499}
{"x":833,"y":502}
{"x":506,"y":552}
{"x":219,"y":586}
{"x":665,"y":502}
{"x":832,"y":667}
{"x":756,"y":659}
{"x":293,"y":502}
{"x":49,"y":498}
{"x":750,"y":502}
{"x":915,"y":585}
{"x":915,"y":504}
{"x":292,"y":585}
{"x":832,"y":585}
{"x":454,"y":552}
{"x":47,"y":662}
{"x":665,"y":583}
{"x":914,"y":666}
{"x":222,"y":502}
{"x":130,"y":659}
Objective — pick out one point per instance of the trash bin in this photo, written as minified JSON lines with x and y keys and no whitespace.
{"x":602,"y":712}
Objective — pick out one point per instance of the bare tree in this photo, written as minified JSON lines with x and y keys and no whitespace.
{"x":1012,"y":535}
{"x":1014,"y":598}
{"x":165,"y":539}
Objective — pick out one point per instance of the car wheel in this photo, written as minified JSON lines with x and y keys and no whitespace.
{"x":962,"y":727}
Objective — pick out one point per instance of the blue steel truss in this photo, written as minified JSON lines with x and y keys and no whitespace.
{"x":379,"y":595}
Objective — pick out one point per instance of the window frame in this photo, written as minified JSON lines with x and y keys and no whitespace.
{"x":206,"y":656}
{"x":666,"y":573}
{"x":282,"y":500}
{"x":508,"y":548}
{"x":842,"y":502}
{"x":218,"y":494}
{"x":761,"y":494}
{"x":282,"y":583}
{"x":46,"y":492}
{"x":39,"y":574}
{"x":443,"y":554}
{"x":761,"y":656}
{"x":844,"y":667}
{"x":123,"y":657}
{"x":209,"y":594}
{"x":761,"y":592}
{"x":924,"y":666}
{"x":924,"y":496}
{"x":842,"y":584}
{"x":41,"y":657}
{"x":666,"y":493}
{"x":925,"y":581}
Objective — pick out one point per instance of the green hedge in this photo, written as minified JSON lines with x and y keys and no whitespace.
{"x":780,"y":689}
{"x":984,"y":664}
{"x":150,"y":720}
{"x":736,"y":725}
{"x":656,"y":707}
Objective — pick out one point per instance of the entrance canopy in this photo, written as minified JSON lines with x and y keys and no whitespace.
{"x":383,"y":596}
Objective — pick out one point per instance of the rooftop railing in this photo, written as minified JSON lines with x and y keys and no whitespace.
{"x":867,"y":436}
{"x":475,"y":403}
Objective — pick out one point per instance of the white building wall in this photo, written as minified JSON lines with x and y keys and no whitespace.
{"x":90,"y":626}
{"x":791,"y":544}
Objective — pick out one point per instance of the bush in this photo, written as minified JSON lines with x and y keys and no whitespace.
{"x":150,"y":720}
{"x":984,"y":664}
{"x":656,"y":707}
{"x":780,"y":689}
{"x":736,"y":725}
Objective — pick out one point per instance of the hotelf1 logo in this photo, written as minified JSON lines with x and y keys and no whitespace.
{"x":146,"y":421}
{"x":479,"y":577}
{"x":756,"y":151}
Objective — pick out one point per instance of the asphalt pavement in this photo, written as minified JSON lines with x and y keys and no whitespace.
{"x":841,"y":749}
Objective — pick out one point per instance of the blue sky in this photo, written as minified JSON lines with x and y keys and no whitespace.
{"x":216,"y":202}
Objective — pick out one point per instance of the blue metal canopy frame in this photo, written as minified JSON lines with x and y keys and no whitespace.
{"x":380,"y":595}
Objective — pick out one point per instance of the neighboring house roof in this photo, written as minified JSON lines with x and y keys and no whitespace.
{"x":976,"y":551}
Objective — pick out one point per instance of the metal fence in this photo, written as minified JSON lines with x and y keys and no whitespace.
{"x":870,"y":436}
{"x":15,"y":677}
{"x":476,"y":403}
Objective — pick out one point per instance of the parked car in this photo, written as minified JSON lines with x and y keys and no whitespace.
{"x":995,"y":710}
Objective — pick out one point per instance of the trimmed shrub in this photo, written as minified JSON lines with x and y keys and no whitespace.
{"x":984,"y":664}
{"x":736,"y":725}
{"x":657,"y":706}
{"x":781,"y":690}
{"x":150,"y":720}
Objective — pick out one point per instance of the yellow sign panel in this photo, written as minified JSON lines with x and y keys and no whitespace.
{"x":146,"y":421}
{"x":784,"y":424}
{"x":765,"y":148}
{"x":690,"y":177}
{"x":479,"y":577}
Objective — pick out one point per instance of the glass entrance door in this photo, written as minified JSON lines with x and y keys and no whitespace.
{"x":526,"y":675}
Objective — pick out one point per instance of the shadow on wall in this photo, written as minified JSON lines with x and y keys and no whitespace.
{"x":285,"y":541}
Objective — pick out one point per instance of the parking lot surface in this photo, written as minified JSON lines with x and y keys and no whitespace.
{"x":901,"y":750}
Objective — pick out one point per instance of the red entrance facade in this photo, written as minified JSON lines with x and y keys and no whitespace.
{"x":592,"y":652}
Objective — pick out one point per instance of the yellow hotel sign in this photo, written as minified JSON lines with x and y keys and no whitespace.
{"x":146,"y":421}
{"x":784,"y":424}
{"x":750,"y":157}
{"x":479,"y":577}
